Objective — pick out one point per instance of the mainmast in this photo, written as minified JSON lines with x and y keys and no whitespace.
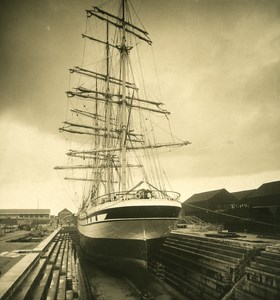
{"x":123,"y":53}
{"x":108,"y":113}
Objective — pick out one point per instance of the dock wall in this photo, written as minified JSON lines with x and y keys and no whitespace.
{"x":48,"y":272}
{"x":201,"y":267}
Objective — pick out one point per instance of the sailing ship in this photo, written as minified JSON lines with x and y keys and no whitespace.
{"x":126,"y":210}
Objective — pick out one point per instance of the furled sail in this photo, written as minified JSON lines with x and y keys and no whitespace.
{"x":110,"y":114}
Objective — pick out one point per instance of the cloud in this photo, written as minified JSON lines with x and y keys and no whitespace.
{"x":225,"y":87}
{"x":26,"y":153}
{"x":217,"y":63}
{"x":27,"y":159}
{"x":191,"y":185}
{"x":34,"y":74}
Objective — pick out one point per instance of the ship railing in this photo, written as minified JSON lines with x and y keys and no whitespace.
{"x":139,"y":194}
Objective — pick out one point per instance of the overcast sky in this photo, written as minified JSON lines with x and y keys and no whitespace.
{"x":218,"y":63}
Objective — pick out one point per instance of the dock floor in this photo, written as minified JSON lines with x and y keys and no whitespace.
{"x":195,"y":264}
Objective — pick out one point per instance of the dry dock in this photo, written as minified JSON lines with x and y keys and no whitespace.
{"x":10,"y":250}
{"x":215,"y":266}
{"x":190,"y":265}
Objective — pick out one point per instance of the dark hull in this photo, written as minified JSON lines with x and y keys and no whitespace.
{"x":119,"y":249}
{"x":126,"y":257}
{"x":128,"y":234}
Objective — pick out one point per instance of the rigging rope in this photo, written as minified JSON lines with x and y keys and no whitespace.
{"x":232,"y":216}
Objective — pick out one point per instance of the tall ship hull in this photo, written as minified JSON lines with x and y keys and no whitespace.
{"x":126,"y":208}
{"x":129,"y":230}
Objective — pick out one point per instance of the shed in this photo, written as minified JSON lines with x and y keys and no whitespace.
{"x":265,"y":204}
{"x":64,"y":213}
{"x":217,"y":200}
{"x":208,"y":205}
{"x":242,"y":197}
{"x":267,"y":195}
{"x":25,"y":213}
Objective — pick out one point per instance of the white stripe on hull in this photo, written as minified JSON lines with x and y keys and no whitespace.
{"x":135,"y":229}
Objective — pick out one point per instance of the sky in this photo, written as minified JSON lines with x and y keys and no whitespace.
{"x":218,"y":66}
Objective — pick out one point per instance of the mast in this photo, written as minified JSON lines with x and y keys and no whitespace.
{"x":108,"y":113}
{"x":95,"y":189}
{"x":106,"y":110}
{"x":123,"y":53}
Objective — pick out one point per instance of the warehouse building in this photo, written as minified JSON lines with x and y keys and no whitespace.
{"x":25,"y":213}
{"x":64,"y":214}
{"x":204,"y":205}
{"x":265,"y":203}
{"x":20,"y":217}
{"x":242,"y":197}
{"x":254,"y":210}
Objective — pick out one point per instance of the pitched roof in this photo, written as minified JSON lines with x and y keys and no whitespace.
{"x":25,"y":211}
{"x":65,"y":210}
{"x":267,"y":189}
{"x":241,"y":195}
{"x":200,"y":197}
